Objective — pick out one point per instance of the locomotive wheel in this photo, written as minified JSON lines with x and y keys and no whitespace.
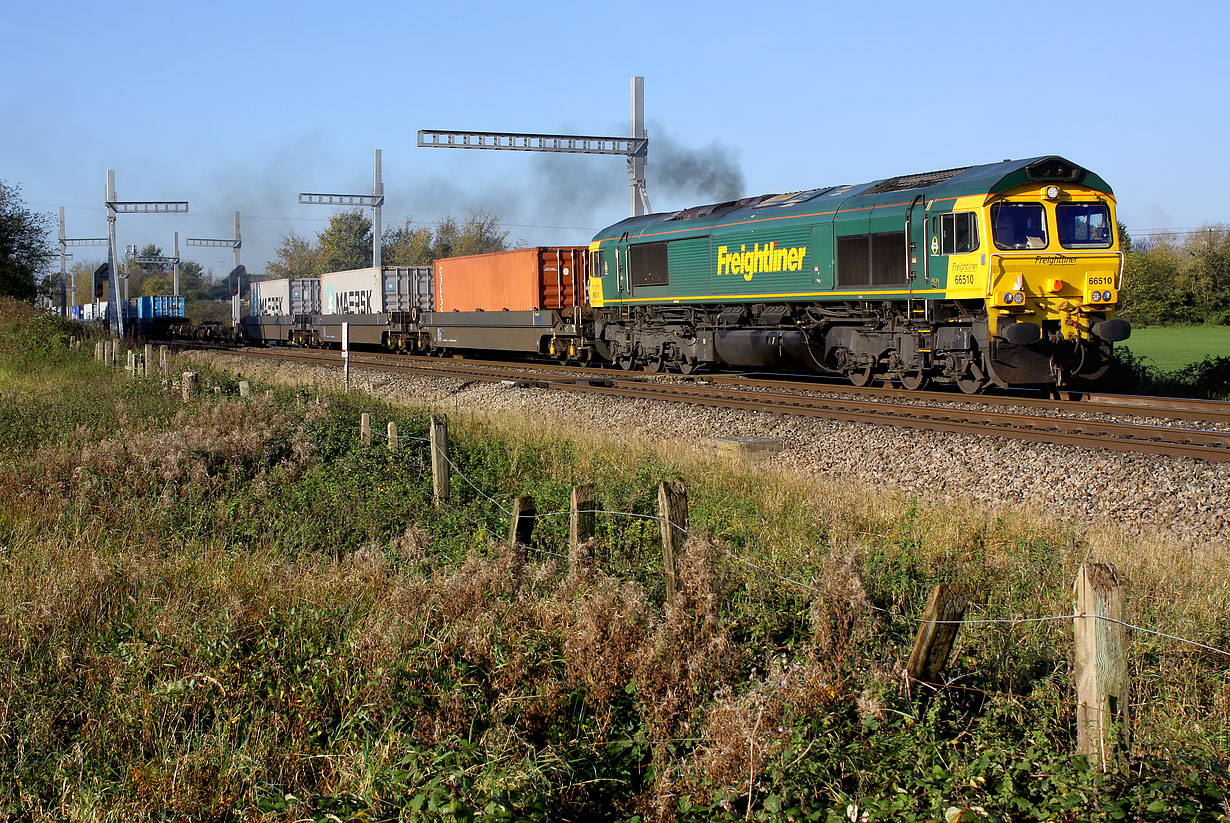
{"x":688,"y":366}
{"x":625,"y":362}
{"x":915,"y":380}
{"x":862,"y":377}
{"x":653,"y":365}
{"x":969,"y":384}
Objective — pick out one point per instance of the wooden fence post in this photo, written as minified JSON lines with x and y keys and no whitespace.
{"x":245,"y":388}
{"x":582,"y":519}
{"x":937,"y":632}
{"x":98,"y":351}
{"x":365,"y":429}
{"x":148,"y":362}
{"x":392,"y":436}
{"x":673,"y":514}
{"x":189,"y":386}
{"x":441,"y":482}
{"x":1101,"y":664}
{"x":164,"y":360}
{"x":523,"y":514}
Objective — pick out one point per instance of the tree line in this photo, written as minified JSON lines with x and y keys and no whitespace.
{"x":346,"y":243}
{"x":1168,"y":279}
{"x":1177,"y":278}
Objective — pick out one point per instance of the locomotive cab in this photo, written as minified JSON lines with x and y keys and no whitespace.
{"x":1053,"y":277}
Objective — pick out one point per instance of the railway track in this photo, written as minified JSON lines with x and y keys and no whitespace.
{"x":978,"y":415}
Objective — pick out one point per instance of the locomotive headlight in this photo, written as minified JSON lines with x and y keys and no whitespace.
{"x":1008,"y":297}
{"x":1019,"y":297}
{"x":1052,"y":192}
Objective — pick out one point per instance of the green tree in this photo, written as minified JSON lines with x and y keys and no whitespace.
{"x":1156,"y":289}
{"x":25,"y":245}
{"x":346,"y":243}
{"x":481,"y":233}
{"x":148,"y":278}
{"x":407,"y":245}
{"x":1125,"y":239}
{"x":297,"y":257}
{"x":81,"y":275}
{"x":1209,"y":261}
{"x":192,"y":278}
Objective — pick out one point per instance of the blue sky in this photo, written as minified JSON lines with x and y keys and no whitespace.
{"x":242,"y":105}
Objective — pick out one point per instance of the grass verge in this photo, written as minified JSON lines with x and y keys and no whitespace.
{"x":231,"y":610}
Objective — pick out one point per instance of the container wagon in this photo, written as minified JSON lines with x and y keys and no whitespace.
{"x":526,"y":300}
{"x":384,"y":307}
{"x":281,"y":309}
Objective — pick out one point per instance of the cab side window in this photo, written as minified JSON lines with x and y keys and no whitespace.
{"x":958,"y":232}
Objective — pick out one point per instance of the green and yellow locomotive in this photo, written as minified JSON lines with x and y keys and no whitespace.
{"x":1003,"y":274}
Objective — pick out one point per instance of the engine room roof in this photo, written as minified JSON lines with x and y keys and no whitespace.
{"x":990,"y":178}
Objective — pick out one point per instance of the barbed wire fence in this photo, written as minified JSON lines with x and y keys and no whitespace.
{"x":1107,"y":716}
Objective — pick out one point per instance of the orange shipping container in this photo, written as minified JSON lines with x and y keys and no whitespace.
{"x":545,"y":277}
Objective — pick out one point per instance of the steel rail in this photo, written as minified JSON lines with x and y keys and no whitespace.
{"x":1174,"y":408}
{"x":1172,"y":441}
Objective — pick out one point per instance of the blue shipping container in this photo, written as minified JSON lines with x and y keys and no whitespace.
{"x":163,"y":305}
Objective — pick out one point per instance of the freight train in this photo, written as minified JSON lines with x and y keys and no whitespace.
{"x":1004,"y":274}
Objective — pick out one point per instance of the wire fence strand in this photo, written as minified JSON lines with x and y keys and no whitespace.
{"x":1011,"y":621}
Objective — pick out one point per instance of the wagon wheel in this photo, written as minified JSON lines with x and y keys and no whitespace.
{"x":625,"y":362}
{"x":687,"y":366}
{"x":969,"y":384}
{"x":915,"y":380}
{"x":862,"y":376}
{"x":653,"y":365}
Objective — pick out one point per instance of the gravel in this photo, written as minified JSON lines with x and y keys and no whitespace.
{"x":1172,"y":499}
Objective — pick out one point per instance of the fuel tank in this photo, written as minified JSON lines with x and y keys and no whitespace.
{"x":766,"y":349}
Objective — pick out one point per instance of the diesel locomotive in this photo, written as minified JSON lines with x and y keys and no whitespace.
{"x":1004,"y":274}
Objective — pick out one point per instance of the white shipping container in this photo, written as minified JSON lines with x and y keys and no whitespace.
{"x":377,"y":291}
{"x":285,"y":298}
